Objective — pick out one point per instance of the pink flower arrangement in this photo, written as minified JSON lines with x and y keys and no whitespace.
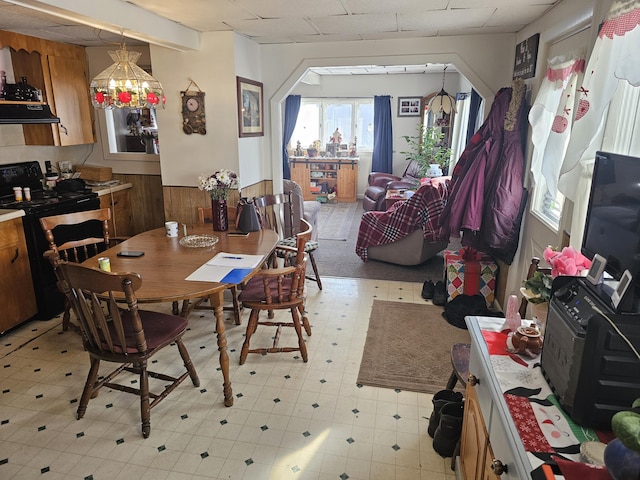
{"x":567,"y":262}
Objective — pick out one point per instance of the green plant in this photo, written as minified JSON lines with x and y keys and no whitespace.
{"x":426,"y":148}
{"x":538,"y":287}
{"x":626,"y":426}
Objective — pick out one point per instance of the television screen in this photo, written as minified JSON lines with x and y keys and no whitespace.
{"x":612,"y":226}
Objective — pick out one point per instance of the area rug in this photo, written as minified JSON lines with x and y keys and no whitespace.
{"x":335,"y":219}
{"x":408,"y":347}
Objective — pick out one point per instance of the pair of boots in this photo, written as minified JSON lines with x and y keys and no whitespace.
{"x":445,"y":423}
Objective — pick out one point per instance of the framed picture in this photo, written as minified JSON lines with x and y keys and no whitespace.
{"x":409,"y":106}
{"x":250,"y":108}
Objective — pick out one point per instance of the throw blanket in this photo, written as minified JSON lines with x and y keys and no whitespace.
{"x":422,"y":210}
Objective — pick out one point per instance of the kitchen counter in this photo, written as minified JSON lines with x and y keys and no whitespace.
{"x":10,"y":214}
{"x":106,"y":190}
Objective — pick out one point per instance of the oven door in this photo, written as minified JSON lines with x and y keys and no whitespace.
{"x":49,"y":299}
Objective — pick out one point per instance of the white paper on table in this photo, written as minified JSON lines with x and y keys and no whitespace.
{"x":209,"y":273}
{"x":236,"y":260}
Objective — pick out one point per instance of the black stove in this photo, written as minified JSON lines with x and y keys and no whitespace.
{"x":69,"y":196}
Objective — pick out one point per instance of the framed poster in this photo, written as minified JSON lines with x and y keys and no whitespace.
{"x":409,"y":106}
{"x":524,"y":65}
{"x":250,"y":108}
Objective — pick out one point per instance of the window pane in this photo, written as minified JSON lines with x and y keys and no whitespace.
{"x":364,"y":126}
{"x":307,"y":126}
{"x":337,"y":115}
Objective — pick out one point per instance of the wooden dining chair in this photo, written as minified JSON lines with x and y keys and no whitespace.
{"x":279,"y":288}
{"x":76,"y":237}
{"x":128,"y":336}
{"x":277,"y":212}
{"x":205,"y":216}
{"x":533,"y":268}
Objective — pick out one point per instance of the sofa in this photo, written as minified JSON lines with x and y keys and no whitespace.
{"x":380,"y":182}
{"x":407,"y":233}
{"x":309,"y":210}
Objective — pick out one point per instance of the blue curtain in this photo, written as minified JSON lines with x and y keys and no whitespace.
{"x":291,"y":109}
{"x":474,"y":107}
{"x":382,"y":158}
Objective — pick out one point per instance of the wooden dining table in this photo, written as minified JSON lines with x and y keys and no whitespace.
{"x":166,"y":264}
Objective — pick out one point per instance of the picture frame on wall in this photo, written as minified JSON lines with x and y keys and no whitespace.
{"x":250,"y":108}
{"x":409,"y":106}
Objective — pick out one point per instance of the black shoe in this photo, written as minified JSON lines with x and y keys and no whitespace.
{"x":427,"y":290}
{"x":439,"y":294}
{"x":449,"y":429}
{"x":440,"y":399}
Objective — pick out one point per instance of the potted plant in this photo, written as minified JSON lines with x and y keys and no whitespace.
{"x":427,"y":149}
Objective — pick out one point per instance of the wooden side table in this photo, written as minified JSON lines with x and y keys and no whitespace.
{"x":393,"y":196}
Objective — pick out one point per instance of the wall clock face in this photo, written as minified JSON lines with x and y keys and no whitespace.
{"x":193,"y":115}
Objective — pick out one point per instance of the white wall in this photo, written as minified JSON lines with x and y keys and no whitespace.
{"x":183,"y":157}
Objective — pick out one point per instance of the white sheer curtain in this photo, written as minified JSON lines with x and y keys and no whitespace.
{"x":459,"y":139}
{"x":551,"y":117}
{"x":615,"y":56}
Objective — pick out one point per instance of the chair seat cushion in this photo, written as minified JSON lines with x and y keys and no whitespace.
{"x":253,"y":291}
{"x":310,"y":246}
{"x":159,"y":328}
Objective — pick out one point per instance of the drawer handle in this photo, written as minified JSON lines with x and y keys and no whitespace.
{"x":15,"y":257}
{"x":498,"y":468}
{"x":473,"y":380}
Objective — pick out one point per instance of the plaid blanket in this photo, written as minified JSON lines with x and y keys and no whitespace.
{"x":422,"y":210}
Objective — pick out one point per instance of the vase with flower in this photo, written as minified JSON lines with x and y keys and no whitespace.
{"x":537,"y":289}
{"x":219,"y":186}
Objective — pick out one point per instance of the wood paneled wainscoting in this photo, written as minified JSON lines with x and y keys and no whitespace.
{"x":146,"y":201}
{"x":181,"y":203}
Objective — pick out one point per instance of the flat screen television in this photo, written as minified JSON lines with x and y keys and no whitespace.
{"x":612,"y":227}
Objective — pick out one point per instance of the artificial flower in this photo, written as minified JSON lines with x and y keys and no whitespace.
{"x":219,"y":184}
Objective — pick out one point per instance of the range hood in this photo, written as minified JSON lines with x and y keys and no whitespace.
{"x":17,"y":113}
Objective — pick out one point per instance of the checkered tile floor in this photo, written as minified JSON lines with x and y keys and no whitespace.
{"x":290,"y":420}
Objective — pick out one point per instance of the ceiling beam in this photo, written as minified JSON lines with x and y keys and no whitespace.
{"x":120,"y":17}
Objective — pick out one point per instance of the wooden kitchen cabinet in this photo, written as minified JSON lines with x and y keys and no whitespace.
{"x":476,"y":455}
{"x":60,"y":71}
{"x":119,"y":202}
{"x":314,"y":173}
{"x":17,"y":297}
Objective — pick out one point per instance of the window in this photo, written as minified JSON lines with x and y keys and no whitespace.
{"x":319,"y":118}
{"x":622,"y":121}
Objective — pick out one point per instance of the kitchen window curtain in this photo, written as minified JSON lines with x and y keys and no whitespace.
{"x":615,"y":57}
{"x":291,"y":109}
{"x":551,"y":117}
{"x":382,"y":158}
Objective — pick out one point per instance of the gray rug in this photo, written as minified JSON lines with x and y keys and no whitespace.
{"x":335,"y":219}
{"x":337,"y":258}
{"x":408,"y":347}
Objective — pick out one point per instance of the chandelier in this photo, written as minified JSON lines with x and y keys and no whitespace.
{"x":442,"y":102}
{"x":125,"y":85}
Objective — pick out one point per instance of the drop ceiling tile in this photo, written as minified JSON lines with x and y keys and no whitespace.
{"x":401,"y":34}
{"x":442,"y":20}
{"x":19,"y":17}
{"x":347,"y":24}
{"x":385,"y":6}
{"x":499,"y":3}
{"x":326,"y":38}
{"x":196,"y":12}
{"x":289,"y":9}
{"x":481,"y":30}
{"x":516,"y":16}
{"x":273,"y":27}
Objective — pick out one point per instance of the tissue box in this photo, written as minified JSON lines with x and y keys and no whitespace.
{"x":470,"y":272}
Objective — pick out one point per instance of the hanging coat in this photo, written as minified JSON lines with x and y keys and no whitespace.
{"x":486,"y":199}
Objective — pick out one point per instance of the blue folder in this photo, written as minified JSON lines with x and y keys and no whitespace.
{"x":237,"y":275}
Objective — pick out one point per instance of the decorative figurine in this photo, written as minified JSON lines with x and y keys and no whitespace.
{"x":299,"y":152}
{"x":336,"y":137}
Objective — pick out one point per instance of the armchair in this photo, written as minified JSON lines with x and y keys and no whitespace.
{"x":380,"y":182}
